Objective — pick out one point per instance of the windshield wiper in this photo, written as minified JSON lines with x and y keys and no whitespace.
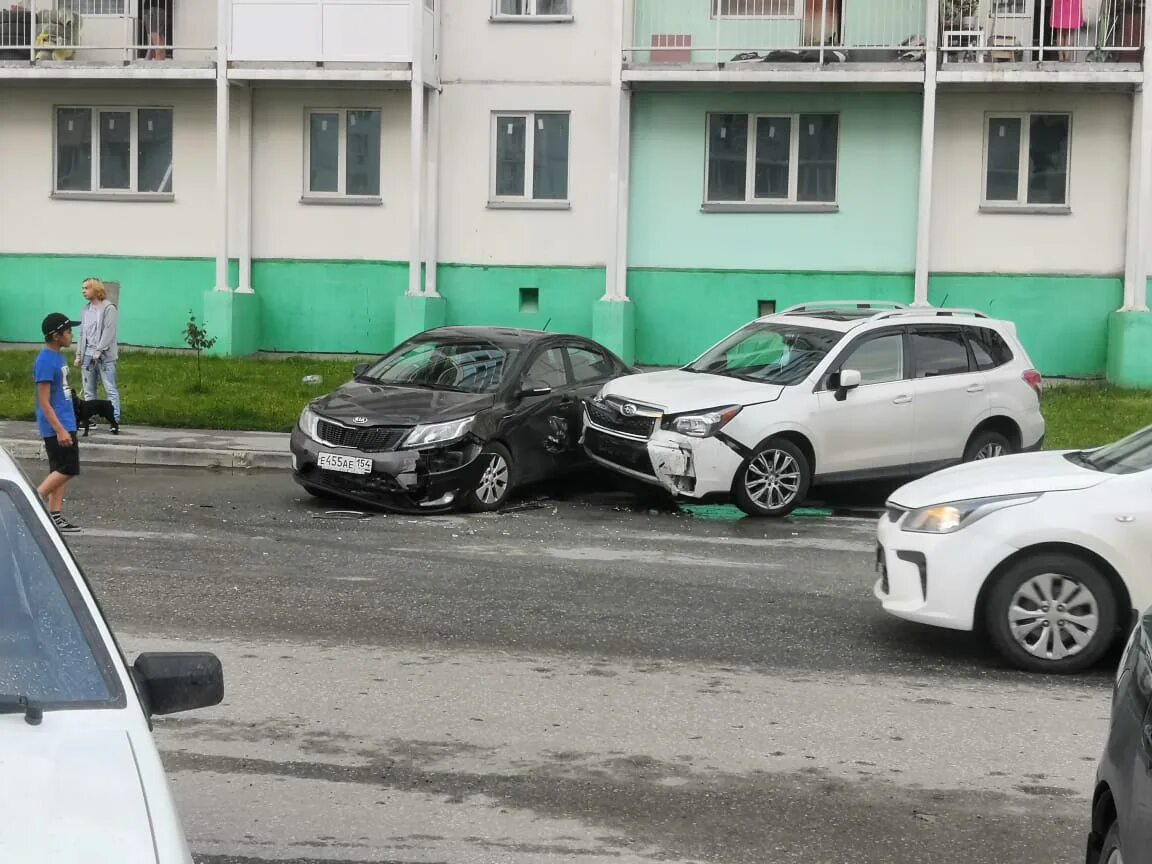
{"x":1078,"y":458}
{"x":32,"y":710}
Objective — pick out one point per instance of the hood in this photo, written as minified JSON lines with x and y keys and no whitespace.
{"x":1021,"y":474}
{"x":389,"y":405}
{"x":676,"y":391}
{"x":70,"y":796}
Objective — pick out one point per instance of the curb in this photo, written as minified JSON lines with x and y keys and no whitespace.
{"x":167,"y":457}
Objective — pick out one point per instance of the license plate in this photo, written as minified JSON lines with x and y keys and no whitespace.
{"x":344,"y":464}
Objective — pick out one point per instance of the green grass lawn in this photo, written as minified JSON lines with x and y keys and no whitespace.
{"x":267,"y":395}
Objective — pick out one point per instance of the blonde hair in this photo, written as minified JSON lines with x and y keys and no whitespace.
{"x":99,"y":292}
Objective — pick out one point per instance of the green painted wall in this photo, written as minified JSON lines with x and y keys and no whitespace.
{"x":339,"y":307}
{"x":874,"y":230}
{"x":492,"y":296}
{"x":681,"y":313}
{"x":1062,"y":320}
{"x":156,"y":294}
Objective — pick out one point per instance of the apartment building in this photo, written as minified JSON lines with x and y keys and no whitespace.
{"x":333,"y":175}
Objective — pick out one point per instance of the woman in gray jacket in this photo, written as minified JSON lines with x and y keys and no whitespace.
{"x":97,"y":351}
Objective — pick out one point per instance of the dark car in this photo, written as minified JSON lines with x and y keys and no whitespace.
{"x":456,"y":417}
{"x":1122,"y":804}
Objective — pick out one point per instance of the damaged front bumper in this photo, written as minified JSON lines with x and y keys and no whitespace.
{"x":414,"y":481}
{"x":695,"y":468}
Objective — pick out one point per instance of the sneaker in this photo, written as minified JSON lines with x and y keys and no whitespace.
{"x":63,"y":525}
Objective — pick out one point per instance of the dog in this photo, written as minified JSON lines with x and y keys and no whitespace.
{"x":89,"y":409}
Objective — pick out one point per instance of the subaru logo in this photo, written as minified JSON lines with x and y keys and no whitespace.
{"x":360,"y":419}
{"x":628,"y":410}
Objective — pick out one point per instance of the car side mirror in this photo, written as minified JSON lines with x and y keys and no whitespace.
{"x":360,"y":369}
{"x":850,"y":379}
{"x":172,"y":682}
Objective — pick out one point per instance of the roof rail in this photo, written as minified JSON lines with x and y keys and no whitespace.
{"x":832,"y":305}
{"x":929,"y":312}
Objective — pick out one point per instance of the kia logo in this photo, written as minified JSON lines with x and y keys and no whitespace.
{"x":628,"y":410}
{"x":360,"y":419}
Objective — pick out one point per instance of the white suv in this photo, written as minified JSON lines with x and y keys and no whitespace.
{"x":827,"y":393}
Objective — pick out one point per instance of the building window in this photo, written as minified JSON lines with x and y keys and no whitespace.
{"x":530,"y":157}
{"x":532,"y":8}
{"x":784,"y":159}
{"x":1026,"y":160}
{"x":114,"y":150}
{"x":343,"y":153}
{"x":755,"y":9}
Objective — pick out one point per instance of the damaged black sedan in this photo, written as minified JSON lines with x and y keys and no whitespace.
{"x":454,"y":418}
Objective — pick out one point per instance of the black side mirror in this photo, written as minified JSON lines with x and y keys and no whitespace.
{"x":172,"y":682}
{"x":360,"y":369}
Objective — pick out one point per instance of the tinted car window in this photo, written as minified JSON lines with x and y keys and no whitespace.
{"x":879,"y":360}
{"x":939,"y":352}
{"x":988,"y":347}
{"x":588,"y":366}
{"x":46,"y":653}
{"x":547,"y":370}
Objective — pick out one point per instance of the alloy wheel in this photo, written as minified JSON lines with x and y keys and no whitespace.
{"x":991,"y":450}
{"x":772,"y":479}
{"x":1053,"y":617}
{"x":494,"y":482}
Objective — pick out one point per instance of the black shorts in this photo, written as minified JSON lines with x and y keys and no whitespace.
{"x":65,"y":460}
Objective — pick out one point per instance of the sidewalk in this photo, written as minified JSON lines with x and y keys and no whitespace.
{"x":152,"y":446}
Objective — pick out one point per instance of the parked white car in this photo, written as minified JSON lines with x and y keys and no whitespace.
{"x":83,"y":782}
{"x":1049,"y":554}
{"x":824,"y":393}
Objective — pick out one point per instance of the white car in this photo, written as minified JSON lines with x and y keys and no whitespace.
{"x":1048,"y":554}
{"x":826,"y":393}
{"x":83,"y":782}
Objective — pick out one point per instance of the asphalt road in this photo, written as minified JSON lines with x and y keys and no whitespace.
{"x":579,"y":681}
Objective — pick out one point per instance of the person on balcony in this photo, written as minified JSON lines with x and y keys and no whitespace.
{"x":1066,"y":21}
{"x":156,"y":27}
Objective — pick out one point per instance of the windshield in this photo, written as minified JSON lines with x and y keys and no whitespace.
{"x":465,"y":367}
{"x":1126,"y":456}
{"x":49,"y":648}
{"x":769,"y":353}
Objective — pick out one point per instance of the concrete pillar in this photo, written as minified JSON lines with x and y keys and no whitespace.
{"x":927,"y":158}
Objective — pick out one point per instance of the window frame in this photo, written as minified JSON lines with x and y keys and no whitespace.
{"x":569,"y":347}
{"x":717,"y":13}
{"x":526,"y":201}
{"x":845,"y":353}
{"x":97,"y":190}
{"x":340,"y":196}
{"x":1021,"y":204}
{"x":539,"y":355}
{"x":532,"y":17}
{"x":77,"y":7}
{"x":751,"y":202}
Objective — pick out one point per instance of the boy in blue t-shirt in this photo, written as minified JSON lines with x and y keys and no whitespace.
{"x":56,"y":415}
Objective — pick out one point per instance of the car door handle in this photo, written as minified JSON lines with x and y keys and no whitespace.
{"x":901,"y":400}
{"x":976,"y":388}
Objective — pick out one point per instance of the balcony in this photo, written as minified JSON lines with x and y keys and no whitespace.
{"x":70,"y":35}
{"x":675,"y":38}
{"x":323,"y":32}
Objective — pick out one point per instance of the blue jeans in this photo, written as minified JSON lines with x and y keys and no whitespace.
{"x":106,"y":370}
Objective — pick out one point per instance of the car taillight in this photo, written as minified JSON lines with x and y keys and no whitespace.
{"x":1034,"y":380}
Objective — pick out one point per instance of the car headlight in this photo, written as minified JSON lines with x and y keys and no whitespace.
{"x":704,"y":424}
{"x":434,"y":434}
{"x":951,"y":517}
{"x":308,"y":422}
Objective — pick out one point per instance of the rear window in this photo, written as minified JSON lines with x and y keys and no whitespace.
{"x":988,"y":347}
{"x":50,"y":649}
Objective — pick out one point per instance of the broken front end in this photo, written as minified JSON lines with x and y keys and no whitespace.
{"x":413,"y":469}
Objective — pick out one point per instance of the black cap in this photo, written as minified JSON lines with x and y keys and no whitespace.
{"x":56,"y":322}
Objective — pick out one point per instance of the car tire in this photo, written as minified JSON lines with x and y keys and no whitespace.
{"x":1040,"y":635}
{"x":773,"y":481}
{"x":497,"y":480}
{"x":1110,"y":852}
{"x":987,"y":445}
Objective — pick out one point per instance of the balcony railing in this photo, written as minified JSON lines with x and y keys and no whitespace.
{"x":735,"y":34}
{"x":107,"y":32}
{"x":1030,"y":31}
